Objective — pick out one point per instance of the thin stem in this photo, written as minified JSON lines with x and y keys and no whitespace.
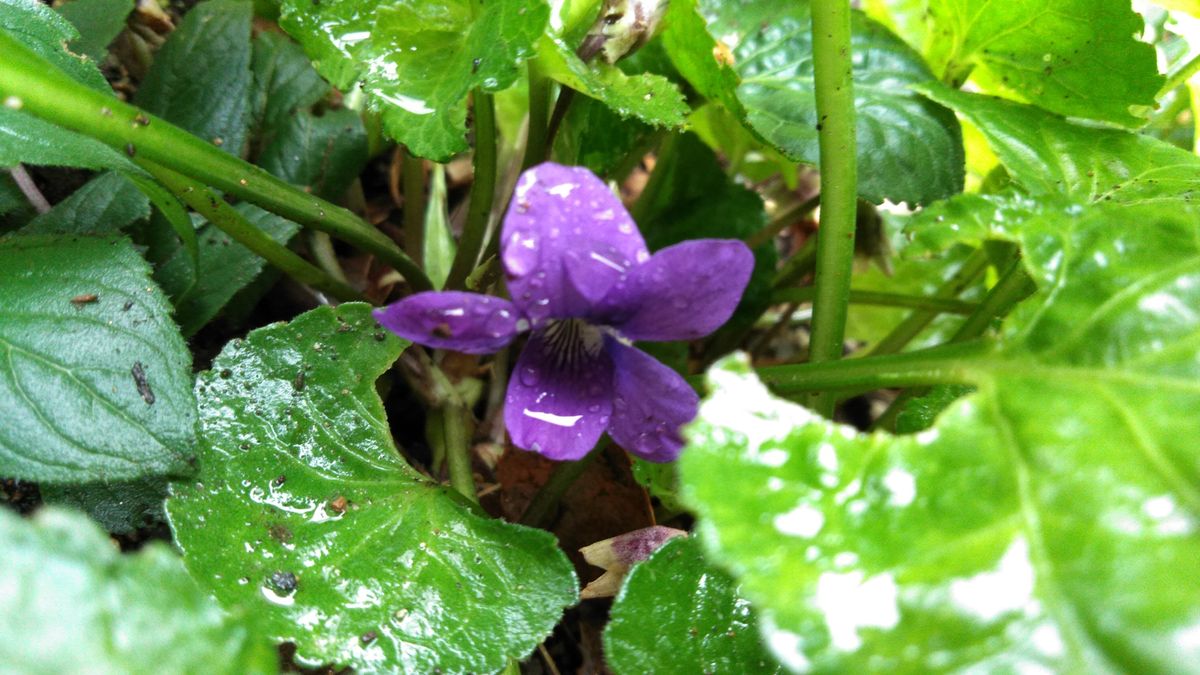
{"x":1180,"y":76}
{"x":539,"y":112}
{"x":326,"y":258}
{"x":458,"y":450}
{"x":38,"y":88}
{"x":882,"y":299}
{"x":1014,"y":286}
{"x":664,"y":162}
{"x":833,"y":70}
{"x":30,"y":189}
{"x":800,"y":265}
{"x":947,"y":364}
{"x":483,"y":189}
{"x":916,"y":322}
{"x":540,"y":512}
{"x":783,"y":219}
{"x":413,"y":175}
{"x":225,"y":218}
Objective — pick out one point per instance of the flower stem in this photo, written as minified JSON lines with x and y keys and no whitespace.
{"x":541,"y":510}
{"x":539,"y":114}
{"x":916,"y":322}
{"x":458,"y":450}
{"x":413,"y":175}
{"x":839,"y":184}
{"x":30,"y":189}
{"x":225,"y":218}
{"x":931,"y":304}
{"x":782,"y":219}
{"x":42,"y":90}
{"x":483,"y":189}
{"x":798,"y":266}
{"x":946,"y":364}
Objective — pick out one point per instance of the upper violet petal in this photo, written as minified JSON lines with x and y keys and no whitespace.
{"x":566,"y":240}
{"x":463,"y":322}
{"x":559,"y":398}
{"x":650,"y":403}
{"x":683,"y":292}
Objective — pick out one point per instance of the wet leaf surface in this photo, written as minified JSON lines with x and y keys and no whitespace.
{"x":78,"y":317}
{"x":1012,"y":533}
{"x":678,"y":614}
{"x":71,"y":603}
{"x":305,"y":515}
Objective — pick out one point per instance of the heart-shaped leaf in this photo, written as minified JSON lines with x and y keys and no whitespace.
{"x":305,"y":515}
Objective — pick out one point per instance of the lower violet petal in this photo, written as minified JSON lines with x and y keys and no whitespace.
{"x":463,"y":322}
{"x":650,"y":403}
{"x":559,"y":398}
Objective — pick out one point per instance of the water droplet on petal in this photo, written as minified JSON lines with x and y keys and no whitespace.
{"x":529,"y":376}
{"x":593,"y":408}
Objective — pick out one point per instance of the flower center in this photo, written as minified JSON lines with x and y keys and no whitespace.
{"x":572,"y":342}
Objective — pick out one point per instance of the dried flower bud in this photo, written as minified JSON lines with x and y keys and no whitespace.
{"x":616,"y":555}
{"x":622,"y":28}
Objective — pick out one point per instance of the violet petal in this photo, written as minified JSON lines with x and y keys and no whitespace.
{"x":683,"y":292}
{"x":566,"y":240}
{"x":559,"y":398}
{"x":464,"y":322}
{"x":650,"y":403}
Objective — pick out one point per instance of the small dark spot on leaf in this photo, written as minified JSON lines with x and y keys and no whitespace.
{"x":284,"y":582}
{"x":84,"y":299}
{"x":338,"y":504}
{"x":279,"y":480}
{"x":139,"y":380}
{"x":298,"y":381}
{"x":130,"y":149}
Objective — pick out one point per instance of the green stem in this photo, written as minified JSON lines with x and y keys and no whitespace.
{"x":782,"y":219}
{"x":210,"y":205}
{"x":647,"y":201}
{"x":834,"y":82}
{"x":541,"y":510}
{"x":947,"y":364}
{"x":326,"y":258}
{"x":46,"y":92}
{"x":800,"y":265}
{"x":539,"y":116}
{"x":1180,"y":76}
{"x":458,"y":450}
{"x":483,"y":189}
{"x":930,"y":304}
{"x":413,"y":176}
{"x":1014,"y":286}
{"x":916,"y":322}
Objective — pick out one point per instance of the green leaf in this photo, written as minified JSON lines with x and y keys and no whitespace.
{"x":417,"y":60}
{"x":98,"y":23}
{"x":95,"y":381}
{"x":223,"y":268}
{"x":1009,"y":535}
{"x":30,"y":140}
{"x":120,"y":508}
{"x":1074,"y":57}
{"x":650,"y":98}
{"x":104,"y":205}
{"x":677,"y":614}
{"x":910,"y":149}
{"x":47,"y":34}
{"x":1048,"y":155}
{"x":595,"y":136}
{"x":201,"y":78}
{"x":321,"y":150}
{"x":920,"y":413}
{"x":305,"y":515}
{"x":694,"y":53}
{"x":74,"y":604}
{"x":972,"y":219}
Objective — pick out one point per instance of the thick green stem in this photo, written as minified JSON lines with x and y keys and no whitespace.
{"x":931,"y":304}
{"x":210,"y":205}
{"x":916,"y":322}
{"x":833,"y":69}
{"x":37,"y":87}
{"x":947,"y":364}
{"x":539,"y":116}
{"x":413,"y":174}
{"x":483,"y":189}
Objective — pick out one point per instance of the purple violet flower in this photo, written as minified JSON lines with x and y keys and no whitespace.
{"x":584,"y":284}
